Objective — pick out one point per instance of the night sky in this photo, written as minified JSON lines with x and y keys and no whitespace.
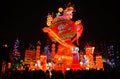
{"x":25,"y":19}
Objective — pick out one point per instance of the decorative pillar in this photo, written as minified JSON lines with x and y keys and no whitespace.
{"x":43,"y":62}
{"x":38,"y":51}
{"x":81,"y":58}
{"x":89,"y":56}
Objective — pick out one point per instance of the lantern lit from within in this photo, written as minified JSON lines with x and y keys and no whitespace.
{"x":60,"y":9}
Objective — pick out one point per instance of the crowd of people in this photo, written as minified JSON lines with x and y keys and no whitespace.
{"x":68,"y":74}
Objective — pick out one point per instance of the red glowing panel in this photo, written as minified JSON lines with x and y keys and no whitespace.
{"x":65,"y":30}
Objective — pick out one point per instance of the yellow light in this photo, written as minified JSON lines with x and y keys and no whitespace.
{"x":77,"y":22}
{"x":60,"y":9}
{"x":48,"y":23}
{"x":71,"y":8}
{"x":49,"y":19}
{"x":62,"y":57}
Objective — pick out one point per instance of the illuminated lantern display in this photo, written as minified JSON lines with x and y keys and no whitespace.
{"x":16,"y":62}
{"x":43,"y":62}
{"x":81,"y":58}
{"x":75,"y":61}
{"x":81,"y":61}
{"x":75,"y":54}
{"x":89,"y":56}
{"x":49,"y":20}
{"x":38,"y":51}
{"x":9,"y":65}
{"x":31,"y":67}
{"x":38,"y":65}
{"x":99,"y":62}
{"x":29,"y":56}
{"x":63,"y":30}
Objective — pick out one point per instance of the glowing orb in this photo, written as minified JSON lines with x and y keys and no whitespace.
{"x":60,"y":9}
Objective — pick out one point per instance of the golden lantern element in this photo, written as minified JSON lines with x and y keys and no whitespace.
{"x":60,"y":9}
{"x":49,"y":20}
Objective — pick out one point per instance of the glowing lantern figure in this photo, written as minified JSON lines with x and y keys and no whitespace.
{"x":9,"y":65}
{"x":81,"y":58}
{"x":63,"y":30}
{"x":89,"y":56}
{"x":99,"y":62}
{"x":31,"y":66}
{"x":49,"y":20}
{"x":75,"y":62}
{"x":38,"y":65}
{"x":43,"y":59}
{"x":75,"y":54}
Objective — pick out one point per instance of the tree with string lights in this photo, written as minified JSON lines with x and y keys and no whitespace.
{"x":16,"y":55}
